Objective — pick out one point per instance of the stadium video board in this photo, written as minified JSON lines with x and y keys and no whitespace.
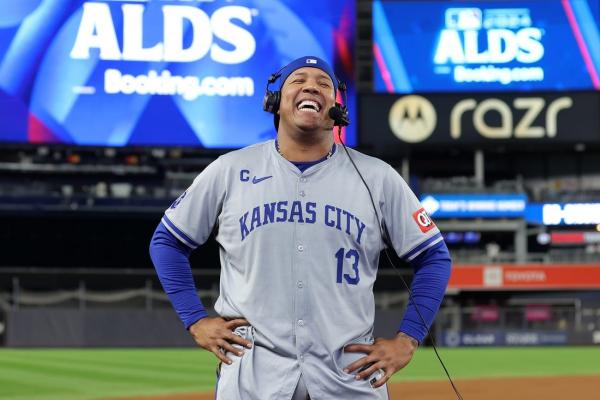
{"x":483,"y":120}
{"x":158,"y":72}
{"x":509,"y":205}
{"x":498,"y":45}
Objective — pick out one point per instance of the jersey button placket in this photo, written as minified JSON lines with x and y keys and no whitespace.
{"x":302,"y":333}
{"x":302,"y":187}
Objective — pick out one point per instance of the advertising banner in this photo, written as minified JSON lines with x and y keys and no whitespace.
{"x":563,"y":213}
{"x":395,"y":123}
{"x":514,"y":205}
{"x":474,"y":205}
{"x":150,"y":72}
{"x":455,"y":339}
{"x":453,"y":46}
{"x":503,"y":338}
{"x":525,"y":277}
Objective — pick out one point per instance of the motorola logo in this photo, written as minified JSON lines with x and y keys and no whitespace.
{"x":412,"y":119}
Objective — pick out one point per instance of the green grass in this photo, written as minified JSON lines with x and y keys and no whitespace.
{"x":94,"y":374}
{"x":99,"y":373}
{"x":465,"y":363}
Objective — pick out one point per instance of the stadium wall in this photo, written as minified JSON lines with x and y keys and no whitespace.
{"x":43,"y":327}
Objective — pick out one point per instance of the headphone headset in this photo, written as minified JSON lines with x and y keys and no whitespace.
{"x":272,"y":99}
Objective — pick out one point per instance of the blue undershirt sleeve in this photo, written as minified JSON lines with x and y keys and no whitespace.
{"x":171,"y":261}
{"x":432,"y":272}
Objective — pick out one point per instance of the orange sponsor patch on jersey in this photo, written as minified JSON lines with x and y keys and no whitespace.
{"x":423,"y":221}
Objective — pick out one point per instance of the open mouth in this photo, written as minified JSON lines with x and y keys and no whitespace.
{"x":309,"y":106}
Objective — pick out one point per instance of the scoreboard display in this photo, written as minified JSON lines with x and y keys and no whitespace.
{"x":158,"y":72}
{"x":483,"y":46}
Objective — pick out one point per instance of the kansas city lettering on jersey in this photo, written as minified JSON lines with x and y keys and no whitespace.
{"x":304,"y":213}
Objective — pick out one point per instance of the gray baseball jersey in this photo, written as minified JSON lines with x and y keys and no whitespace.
{"x":299,"y":255}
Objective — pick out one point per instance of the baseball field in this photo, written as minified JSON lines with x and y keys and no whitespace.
{"x":481,"y":374}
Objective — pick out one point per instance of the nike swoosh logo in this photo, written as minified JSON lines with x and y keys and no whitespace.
{"x":256,"y":180}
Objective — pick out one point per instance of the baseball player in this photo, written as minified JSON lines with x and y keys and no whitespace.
{"x":299,"y":246}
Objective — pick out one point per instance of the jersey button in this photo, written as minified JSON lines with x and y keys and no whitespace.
{"x":300,"y":284}
{"x":300,"y":322}
{"x":302,"y":193}
{"x":302,"y":179}
{"x":300,"y":247}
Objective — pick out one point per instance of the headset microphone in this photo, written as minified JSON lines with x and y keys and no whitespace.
{"x":339,"y":115}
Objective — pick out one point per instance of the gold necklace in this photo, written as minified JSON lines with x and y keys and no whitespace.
{"x":281,"y":154}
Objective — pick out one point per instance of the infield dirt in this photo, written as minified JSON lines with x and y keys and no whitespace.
{"x":527,"y":388}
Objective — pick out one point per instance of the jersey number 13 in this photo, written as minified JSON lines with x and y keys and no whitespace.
{"x":353,"y":257}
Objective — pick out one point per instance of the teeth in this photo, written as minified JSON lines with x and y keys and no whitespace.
{"x":309,"y":105}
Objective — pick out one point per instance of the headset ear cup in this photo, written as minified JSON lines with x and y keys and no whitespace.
{"x":271,"y":102}
{"x":345,"y":111}
{"x":339,"y":107}
{"x":267,"y":101}
{"x":276,"y":100}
